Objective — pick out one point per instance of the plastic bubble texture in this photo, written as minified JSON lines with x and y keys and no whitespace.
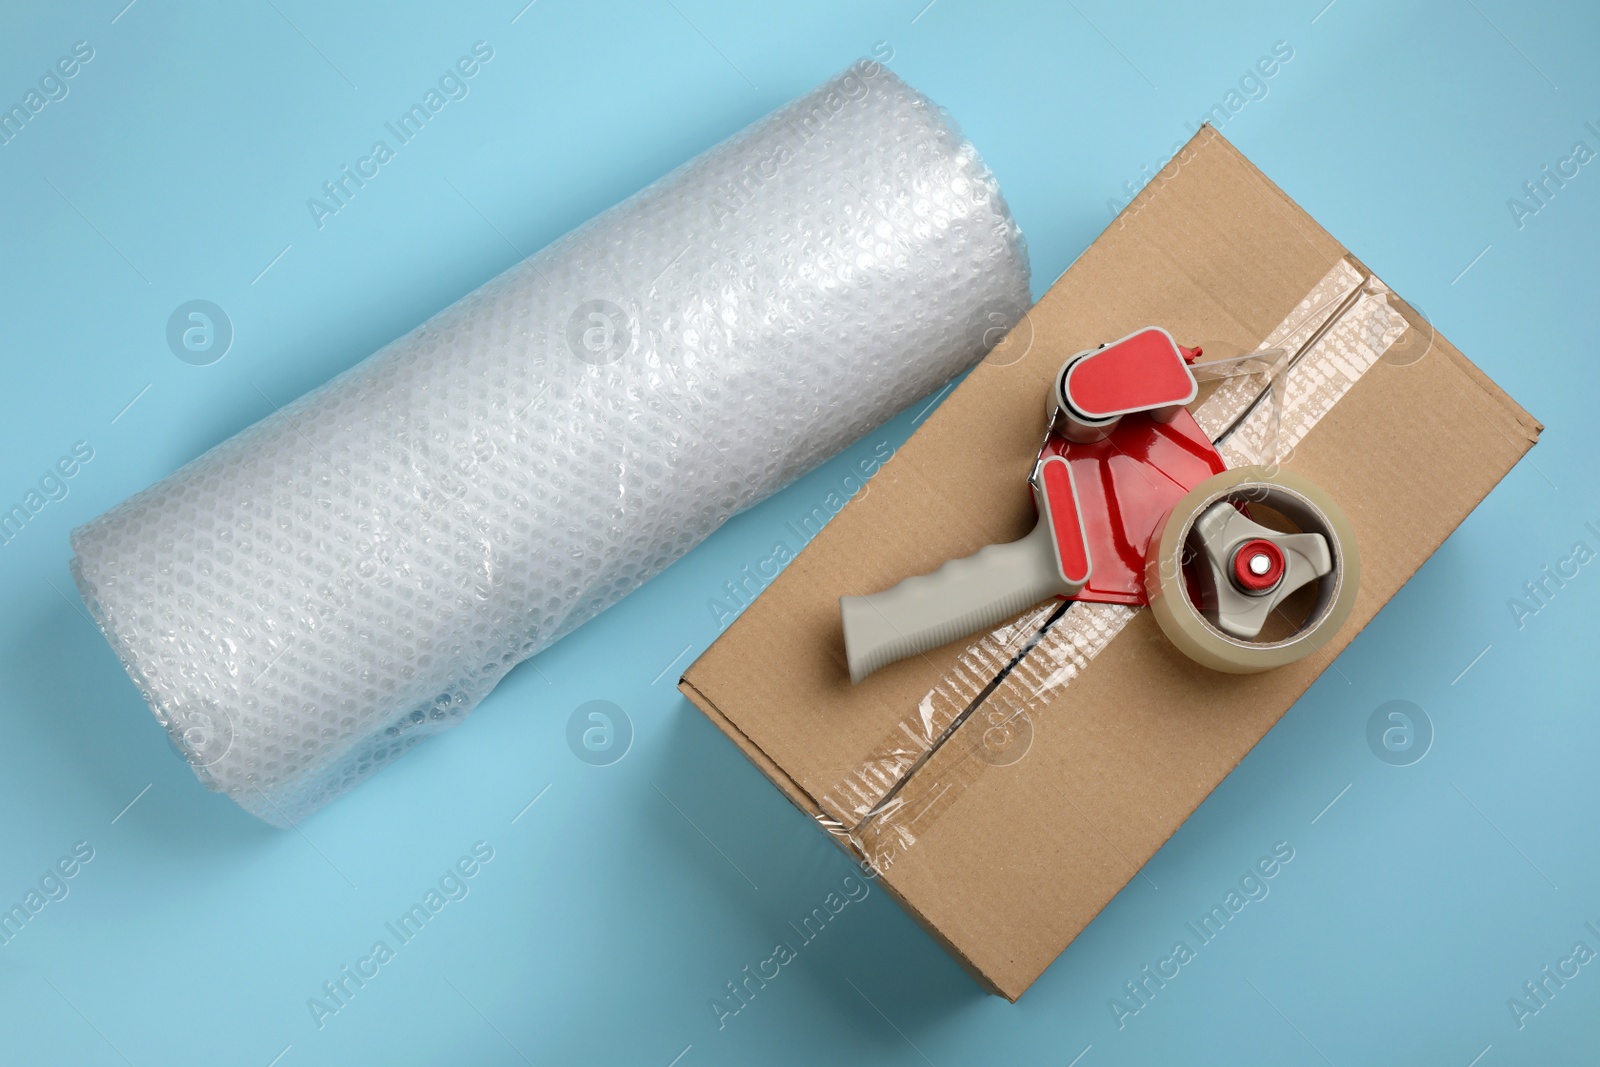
{"x":310,"y":598}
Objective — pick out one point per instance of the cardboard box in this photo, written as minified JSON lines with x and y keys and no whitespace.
{"x":1005,"y":852}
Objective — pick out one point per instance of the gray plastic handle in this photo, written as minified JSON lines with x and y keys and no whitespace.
{"x":983,"y":590}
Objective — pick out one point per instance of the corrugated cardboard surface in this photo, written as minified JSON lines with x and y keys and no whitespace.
{"x":1022,"y":857}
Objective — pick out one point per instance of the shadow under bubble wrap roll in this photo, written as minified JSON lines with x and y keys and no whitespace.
{"x":355,"y":572}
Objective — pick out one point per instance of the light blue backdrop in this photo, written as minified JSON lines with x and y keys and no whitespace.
{"x":175,"y":165}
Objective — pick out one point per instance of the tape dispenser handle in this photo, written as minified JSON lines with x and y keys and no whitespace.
{"x":977,"y":592}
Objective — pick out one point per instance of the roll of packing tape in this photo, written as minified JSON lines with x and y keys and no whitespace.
{"x":310,"y":598}
{"x":1186,"y":623}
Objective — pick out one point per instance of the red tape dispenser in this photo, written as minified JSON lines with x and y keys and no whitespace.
{"x":1245,"y":569}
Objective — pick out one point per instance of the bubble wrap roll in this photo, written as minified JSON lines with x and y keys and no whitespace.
{"x":308,"y":599}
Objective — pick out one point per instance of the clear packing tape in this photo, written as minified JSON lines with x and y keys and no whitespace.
{"x":1257,"y":407}
{"x":310,"y":598}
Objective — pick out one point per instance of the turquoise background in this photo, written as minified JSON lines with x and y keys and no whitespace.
{"x":614,"y":909}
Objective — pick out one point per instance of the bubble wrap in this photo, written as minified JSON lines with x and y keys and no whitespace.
{"x":310,"y":598}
